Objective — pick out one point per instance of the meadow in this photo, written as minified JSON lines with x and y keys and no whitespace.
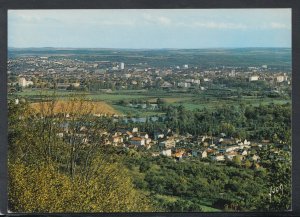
{"x":111,"y":101}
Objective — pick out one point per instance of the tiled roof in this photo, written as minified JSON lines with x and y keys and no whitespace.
{"x":136,"y":139}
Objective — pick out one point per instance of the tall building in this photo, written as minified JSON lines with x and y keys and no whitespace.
{"x":122,"y":66}
{"x":22,"y":82}
{"x":185,"y":66}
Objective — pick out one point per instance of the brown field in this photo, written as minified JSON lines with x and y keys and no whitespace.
{"x":76,"y":107}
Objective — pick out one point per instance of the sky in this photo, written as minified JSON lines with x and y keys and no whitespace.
{"x":150,"y":29}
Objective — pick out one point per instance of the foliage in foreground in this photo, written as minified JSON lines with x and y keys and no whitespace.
{"x":52,"y":174}
{"x":48,"y":174}
{"x":44,"y":189}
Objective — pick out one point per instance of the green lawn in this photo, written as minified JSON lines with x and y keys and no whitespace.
{"x":212,"y":103}
{"x":209,"y":209}
{"x":113,"y":97}
{"x":188,"y":100}
{"x":135,"y":111}
{"x":205,"y":205}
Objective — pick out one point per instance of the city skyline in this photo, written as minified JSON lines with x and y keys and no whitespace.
{"x":150,"y":29}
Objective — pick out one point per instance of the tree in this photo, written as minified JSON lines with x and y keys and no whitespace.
{"x":43,"y":188}
{"x":49,"y":173}
{"x":227,"y":128}
{"x":237,"y":160}
{"x":186,"y":206}
{"x":38,"y":189}
{"x":279,"y":177}
{"x":247,"y":164}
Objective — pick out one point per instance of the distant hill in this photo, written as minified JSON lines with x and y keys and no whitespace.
{"x":274,"y":57}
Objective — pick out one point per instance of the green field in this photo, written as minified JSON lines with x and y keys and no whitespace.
{"x":205,"y":205}
{"x":188,"y":100}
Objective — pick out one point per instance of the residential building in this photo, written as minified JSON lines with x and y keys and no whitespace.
{"x":24,"y":83}
{"x":218,"y":157}
{"x":204,"y":154}
{"x":168,"y":143}
{"x":117,"y":139}
{"x":167,"y":152}
{"x":138,"y":141}
{"x":254,"y":78}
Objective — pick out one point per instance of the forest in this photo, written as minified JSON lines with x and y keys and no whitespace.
{"x":242,"y":121}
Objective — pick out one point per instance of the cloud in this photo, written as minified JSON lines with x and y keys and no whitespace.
{"x":69,"y":18}
{"x":237,"y":26}
{"x":279,"y":26}
{"x":32,"y":19}
{"x":274,"y":26}
{"x":113,"y":23}
{"x":157,"y":20}
{"x":222,"y":20}
{"x":216,"y":25}
{"x":164,"y":20}
{"x":107,"y":27}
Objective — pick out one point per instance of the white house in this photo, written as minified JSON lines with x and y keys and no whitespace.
{"x":167,"y":143}
{"x":232,"y":148}
{"x":204,"y":154}
{"x":144,"y":135}
{"x":255,"y":157}
{"x":280,"y":78}
{"x":166,"y":85}
{"x":23,"y":83}
{"x":135,"y":130}
{"x":230,"y":156}
{"x":254,"y":78}
{"x":184,"y":84}
{"x":117,"y":139}
{"x":244,"y":153}
{"x":218,"y":157}
{"x":167,"y":152}
{"x":147,"y":141}
{"x":155,"y":154}
{"x":247,"y":142}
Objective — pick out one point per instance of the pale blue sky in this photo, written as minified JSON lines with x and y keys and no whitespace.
{"x":172,"y":28}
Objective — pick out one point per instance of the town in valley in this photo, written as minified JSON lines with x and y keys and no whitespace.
{"x":213,"y":108}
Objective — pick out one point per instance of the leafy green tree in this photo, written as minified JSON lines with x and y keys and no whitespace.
{"x":247,"y":164}
{"x":278,"y":197}
{"x":52,"y":174}
{"x":43,"y":188}
{"x":237,"y":160}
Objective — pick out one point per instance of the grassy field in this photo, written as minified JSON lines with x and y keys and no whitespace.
{"x":204,"y":204}
{"x":212,"y":104}
{"x":135,"y":111}
{"x":188,"y":100}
